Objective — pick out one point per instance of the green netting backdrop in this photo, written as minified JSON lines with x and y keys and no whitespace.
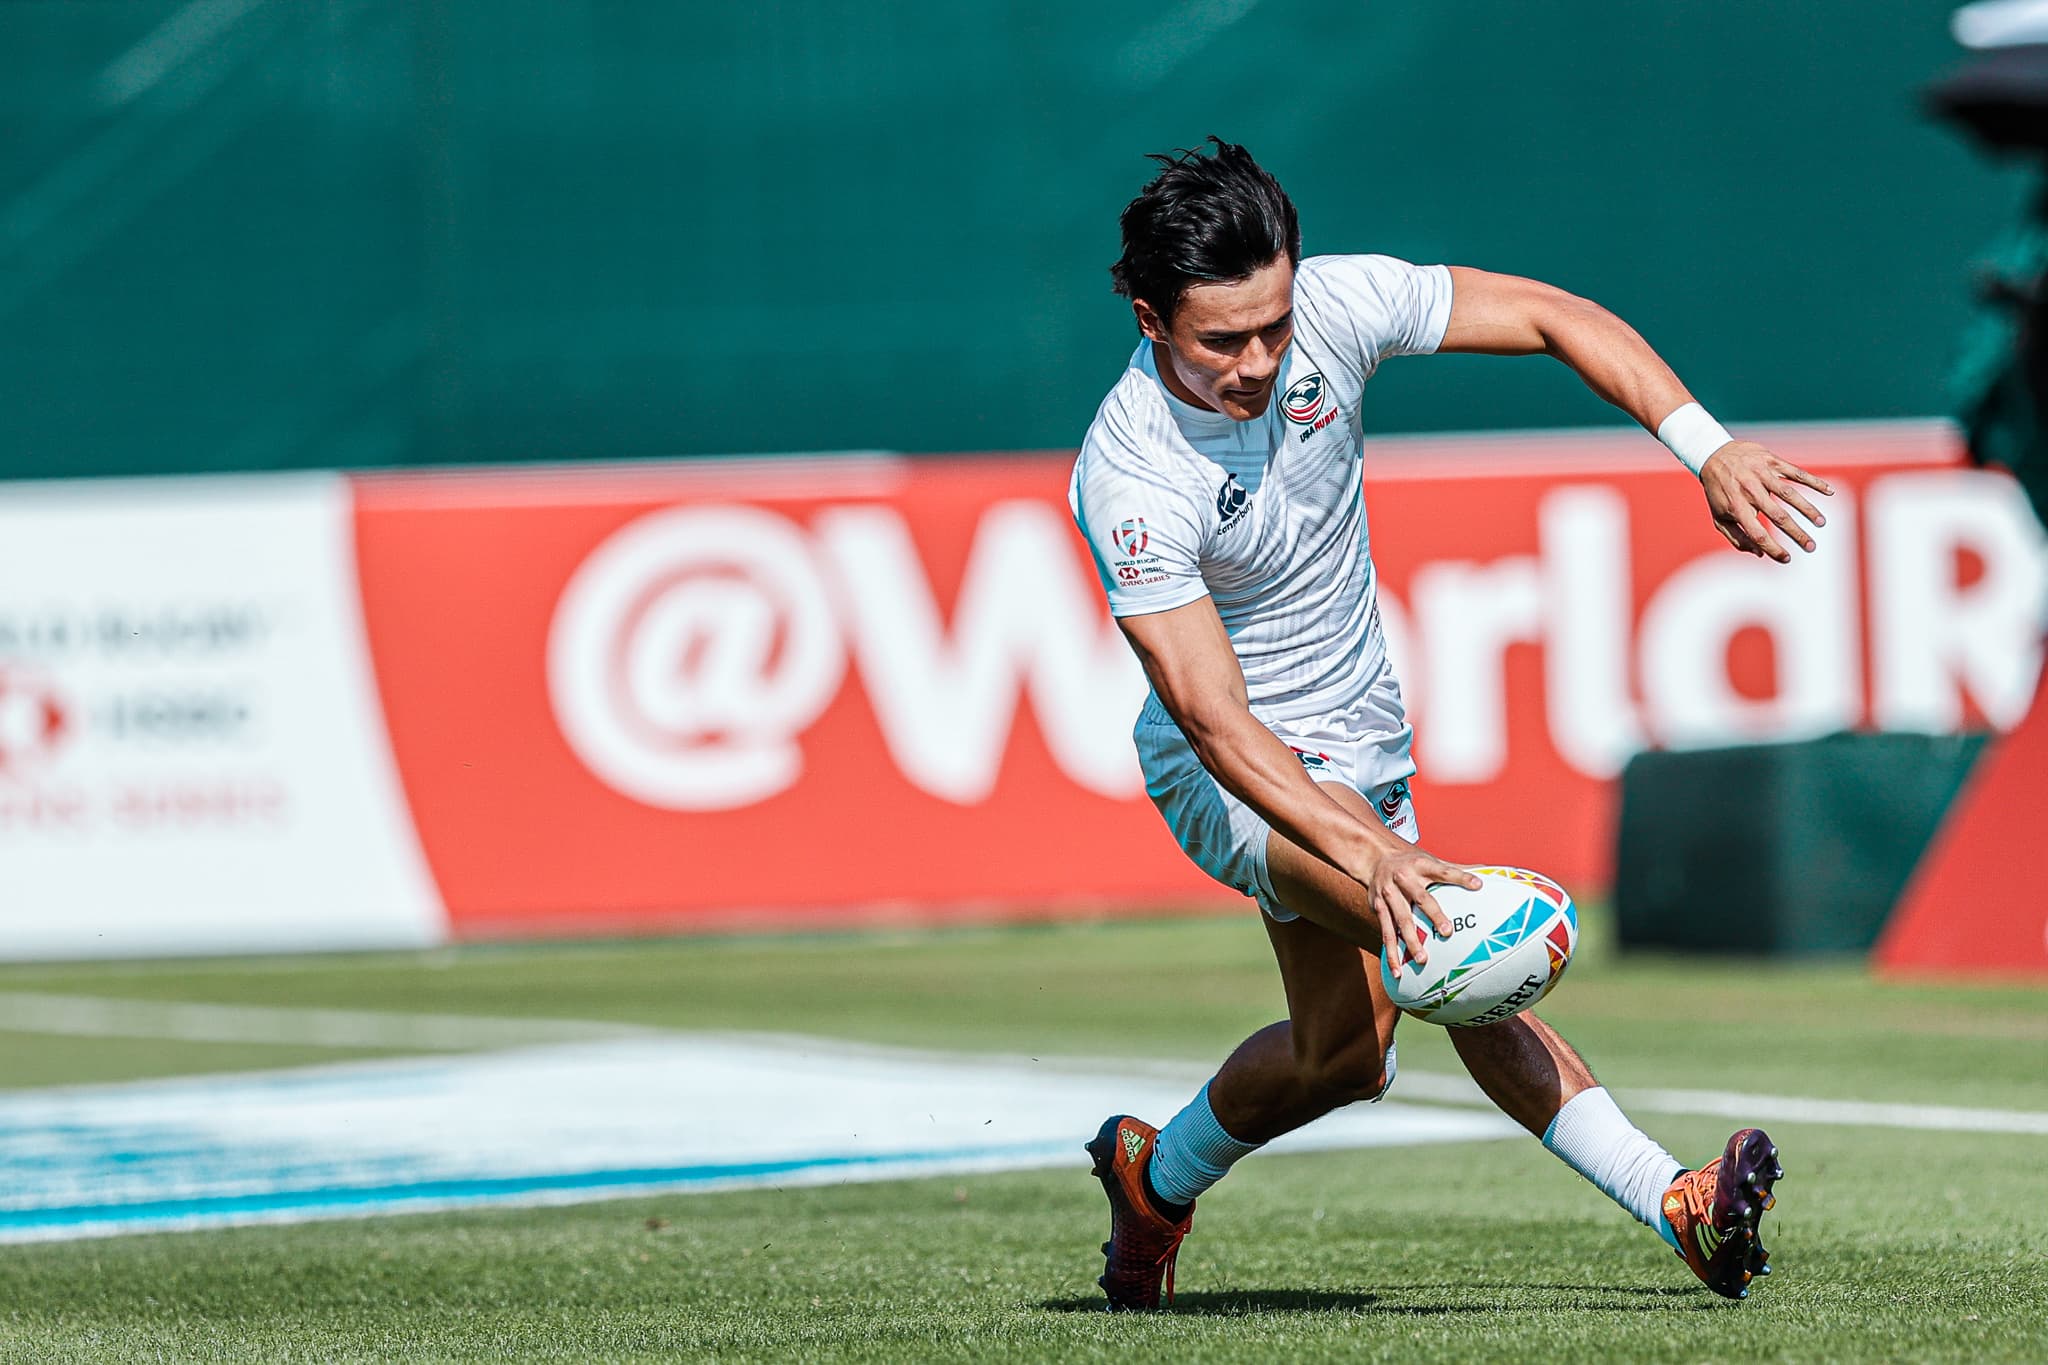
{"x":259,"y":233}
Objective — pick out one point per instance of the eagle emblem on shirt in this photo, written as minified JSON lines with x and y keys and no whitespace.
{"x":1303,"y":401}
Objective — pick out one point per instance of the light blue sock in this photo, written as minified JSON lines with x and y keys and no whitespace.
{"x":1193,"y":1152}
{"x":1592,"y":1136}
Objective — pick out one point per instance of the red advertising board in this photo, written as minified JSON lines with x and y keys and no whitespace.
{"x":1966,"y":914}
{"x":815,"y":690}
{"x":746,"y":661}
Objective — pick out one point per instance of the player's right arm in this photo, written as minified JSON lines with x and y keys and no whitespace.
{"x":1187,"y":656}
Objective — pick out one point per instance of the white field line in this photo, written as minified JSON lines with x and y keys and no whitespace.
{"x":92,"y":1016}
{"x":1442,"y":1088}
{"x":1748,"y":1108}
{"x":1853,"y":1113}
{"x":106,"y":1017}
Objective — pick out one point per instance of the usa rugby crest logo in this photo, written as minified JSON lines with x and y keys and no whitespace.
{"x":1390,"y":804}
{"x":1303,"y":401}
{"x":1132,"y":538}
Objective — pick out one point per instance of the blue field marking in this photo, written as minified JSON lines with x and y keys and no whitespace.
{"x":564,"y":1123}
{"x":314,"y":1201}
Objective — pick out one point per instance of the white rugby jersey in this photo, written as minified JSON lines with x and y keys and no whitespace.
{"x":1267,"y":517}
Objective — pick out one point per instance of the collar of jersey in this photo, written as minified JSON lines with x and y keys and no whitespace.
{"x":1207,"y":420}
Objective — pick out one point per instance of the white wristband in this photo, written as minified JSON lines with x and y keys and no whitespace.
{"x":1692,"y":435}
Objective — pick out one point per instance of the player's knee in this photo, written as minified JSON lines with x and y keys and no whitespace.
{"x":1358,"y":1072}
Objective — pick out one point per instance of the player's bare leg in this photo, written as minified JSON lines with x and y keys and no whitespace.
{"x":1331,"y":1049}
{"x":1524,"y":1067}
{"x":1335,"y":1048}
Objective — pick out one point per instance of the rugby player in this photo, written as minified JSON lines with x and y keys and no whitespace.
{"x":1219,"y":491}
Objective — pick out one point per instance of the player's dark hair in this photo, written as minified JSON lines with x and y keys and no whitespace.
{"x":1206,"y":218}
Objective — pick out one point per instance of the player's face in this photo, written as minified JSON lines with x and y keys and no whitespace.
{"x":1225,"y":344}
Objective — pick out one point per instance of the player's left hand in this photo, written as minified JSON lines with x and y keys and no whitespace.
{"x":1750,"y":490}
{"x":1399,"y":879}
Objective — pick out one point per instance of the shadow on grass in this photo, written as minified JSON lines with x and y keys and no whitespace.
{"x":1640,"y":1291}
{"x":1247,"y":1303}
{"x":1244,"y":1303}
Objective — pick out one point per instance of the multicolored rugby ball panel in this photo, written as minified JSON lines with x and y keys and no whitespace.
{"x":1510,"y":942}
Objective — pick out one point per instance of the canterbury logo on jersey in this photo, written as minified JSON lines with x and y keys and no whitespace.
{"x":1232,"y":502}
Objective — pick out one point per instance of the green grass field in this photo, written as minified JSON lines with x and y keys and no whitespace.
{"x":1891,"y":1244}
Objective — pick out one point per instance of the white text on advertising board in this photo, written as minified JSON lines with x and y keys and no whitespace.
{"x":692,"y":650}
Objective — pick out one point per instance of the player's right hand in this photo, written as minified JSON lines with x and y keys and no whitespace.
{"x":1399,"y":880}
{"x":1750,"y":491}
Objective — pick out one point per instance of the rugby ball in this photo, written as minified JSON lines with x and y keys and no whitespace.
{"x":1509,"y":943}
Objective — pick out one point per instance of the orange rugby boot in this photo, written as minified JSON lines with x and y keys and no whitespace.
{"x":1715,"y":1211}
{"x":1143,"y":1243}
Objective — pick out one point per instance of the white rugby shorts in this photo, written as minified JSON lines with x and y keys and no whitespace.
{"x":1225,"y":837}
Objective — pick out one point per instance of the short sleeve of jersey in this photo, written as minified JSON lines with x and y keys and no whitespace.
{"x":1144,"y":531}
{"x":1392,"y":307}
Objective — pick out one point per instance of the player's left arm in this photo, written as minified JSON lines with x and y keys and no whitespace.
{"x":1749,"y":489}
